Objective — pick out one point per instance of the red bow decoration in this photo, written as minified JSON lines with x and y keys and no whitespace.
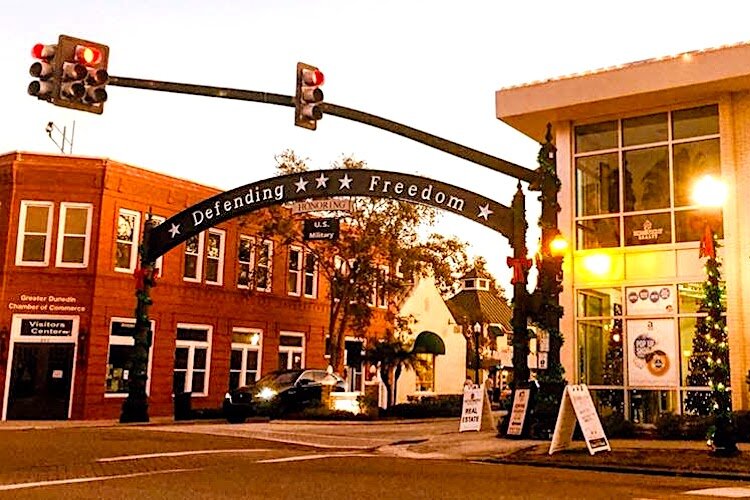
{"x":520,"y":266}
{"x":707,"y":248}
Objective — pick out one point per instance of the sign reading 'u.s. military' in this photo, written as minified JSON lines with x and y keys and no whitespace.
{"x":326,"y":184}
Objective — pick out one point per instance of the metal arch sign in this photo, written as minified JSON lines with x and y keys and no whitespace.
{"x":326,"y":184}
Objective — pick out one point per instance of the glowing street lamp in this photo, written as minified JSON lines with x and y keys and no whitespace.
{"x":709,"y":191}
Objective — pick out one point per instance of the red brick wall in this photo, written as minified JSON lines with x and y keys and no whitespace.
{"x":105,"y":294}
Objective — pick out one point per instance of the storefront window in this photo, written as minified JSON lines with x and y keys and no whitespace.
{"x":425,"y":370}
{"x":653,"y":170}
{"x":121,"y":345}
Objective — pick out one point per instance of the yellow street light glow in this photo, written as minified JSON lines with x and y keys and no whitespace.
{"x":597,"y":264}
{"x":558,"y":246}
{"x":709,"y":192}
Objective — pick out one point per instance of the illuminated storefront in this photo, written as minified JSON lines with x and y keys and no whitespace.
{"x":632,"y":143}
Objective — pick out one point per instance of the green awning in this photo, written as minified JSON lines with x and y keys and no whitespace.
{"x":429,"y":343}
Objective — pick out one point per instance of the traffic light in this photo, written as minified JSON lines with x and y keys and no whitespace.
{"x":43,"y":69}
{"x":82,"y":66}
{"x":308,"y":97}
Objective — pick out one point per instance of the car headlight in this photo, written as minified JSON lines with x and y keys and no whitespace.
{"x":267,"y":393}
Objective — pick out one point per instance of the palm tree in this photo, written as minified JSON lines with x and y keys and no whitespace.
{"x":392,"y":354}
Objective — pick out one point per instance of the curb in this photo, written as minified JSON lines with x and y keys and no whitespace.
{"x":729,"y":476}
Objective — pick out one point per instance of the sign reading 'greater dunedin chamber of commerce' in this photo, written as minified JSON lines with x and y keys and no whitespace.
{"x":327,"y":184}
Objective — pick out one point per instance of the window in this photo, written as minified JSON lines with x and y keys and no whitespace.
{"x":244,"y":363}
{"x":263,"y":267}
{"x":311,"y":275}
{"x":34,"y":231}
{"x":121,"y":344}
{"x":302,"y":273}
{"x":245,"y":257}
{"x":191,"y":359}
{"x":291,"y":350}
{"x":215,"y":257}
{"x":193,"y":258}
{"x":126,"y":244}
{"x":635,"y":348}
{"x":425,"y":372}
{"x":159,"y":264}
{"x":294,"y":271}
{"x":73,"y":235}
{"x":634,"y":178}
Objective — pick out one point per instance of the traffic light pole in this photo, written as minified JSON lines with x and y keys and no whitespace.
{"x":453,"y":148}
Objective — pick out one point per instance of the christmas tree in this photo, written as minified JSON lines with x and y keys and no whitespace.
{"x":612,"y":374}
{"x":709,"y":361}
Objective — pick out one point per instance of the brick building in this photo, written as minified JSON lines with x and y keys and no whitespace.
{"x":69,"y":234}
{"x":631,"y":143}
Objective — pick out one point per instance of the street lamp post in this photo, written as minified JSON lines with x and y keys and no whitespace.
{"x":477,"y":334}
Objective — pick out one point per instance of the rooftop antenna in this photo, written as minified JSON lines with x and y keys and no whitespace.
{"x":63,"y":134}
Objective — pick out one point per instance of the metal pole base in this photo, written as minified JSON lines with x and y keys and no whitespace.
{"x":134,"y":411}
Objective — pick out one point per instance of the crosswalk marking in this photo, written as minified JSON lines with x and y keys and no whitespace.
{"x":317,"y":456}
{"x":178,"y":454}
{"x":728,"y":492}
{"x":39,"y":484}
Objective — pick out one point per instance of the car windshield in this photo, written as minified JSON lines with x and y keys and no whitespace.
{"x":283,"y":379}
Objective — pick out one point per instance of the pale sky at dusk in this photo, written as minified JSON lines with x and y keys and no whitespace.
{"x":432,"y":65}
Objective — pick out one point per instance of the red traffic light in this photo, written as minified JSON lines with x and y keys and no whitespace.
{"x":41,"y":51}
{"x":313,"y":77}
{"x":88,"y":55}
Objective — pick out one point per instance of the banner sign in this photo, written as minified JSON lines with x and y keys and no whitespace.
{"x":320,"y":229}
{"x":577,"y":405}
{"x":649,"y":300}
{"x":329,"y":205}
{"x":652,"y":353}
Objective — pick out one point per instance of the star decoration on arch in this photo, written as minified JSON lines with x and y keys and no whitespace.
{"x":484,"y":211}
{"x":174,"y":230}
{"x":301,"y":185}
{"x":321,"y":181}
{"x":346,"y":182}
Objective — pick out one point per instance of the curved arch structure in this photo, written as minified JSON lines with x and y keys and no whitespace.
{"x":326,"y":184}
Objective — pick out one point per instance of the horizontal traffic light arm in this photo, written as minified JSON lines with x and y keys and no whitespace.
{"x":466,"y":153}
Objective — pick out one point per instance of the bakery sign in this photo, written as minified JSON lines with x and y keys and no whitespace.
{"x":648,"y":233}
{"x":652,"y":353}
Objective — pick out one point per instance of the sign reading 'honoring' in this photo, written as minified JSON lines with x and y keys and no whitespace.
{"x":327,"y":184}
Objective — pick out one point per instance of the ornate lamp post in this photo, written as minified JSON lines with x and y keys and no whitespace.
{"x":477,"y":335}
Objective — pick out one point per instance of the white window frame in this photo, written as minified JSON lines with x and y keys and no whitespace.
{"x":21,"y":238}
{"x":133,"y":244}
{"x":297,"y":290}
{"x":313,"y":275}
{"x":191,"y":345}
{"x":198,"y":261}
{"x":220,"y":260}
{"x":129,"y":341}
{"x":159,"y":264}
{"x":376,"y":299}
{"x":61,"y":235}
{"x":245,"y":347}
{"x":269,"y":245}
{"x":249,"y":263}
{"x":292,"y":349}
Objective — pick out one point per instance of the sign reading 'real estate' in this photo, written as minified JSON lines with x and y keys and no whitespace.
{"x":577,"y":405}
{"x":471,"y":410}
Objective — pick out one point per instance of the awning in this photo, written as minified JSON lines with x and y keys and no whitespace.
{"x":495,"y":330}
{"x":429,"y":343}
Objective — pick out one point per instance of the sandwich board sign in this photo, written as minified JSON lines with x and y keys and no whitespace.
{"x":474,"y":411}
{"x":577,"y":405}
{"x":518,"y":411}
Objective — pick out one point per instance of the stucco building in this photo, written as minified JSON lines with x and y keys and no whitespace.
{"x":631,"y":142}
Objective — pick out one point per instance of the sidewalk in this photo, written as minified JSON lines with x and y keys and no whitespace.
{"x":439,"y":439}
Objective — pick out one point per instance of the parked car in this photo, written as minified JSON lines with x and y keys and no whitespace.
{"x":279,"y":393}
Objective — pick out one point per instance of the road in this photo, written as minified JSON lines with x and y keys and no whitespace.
{"x":150,"y":463}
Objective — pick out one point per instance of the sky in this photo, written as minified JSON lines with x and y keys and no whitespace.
{"x":432,"y":65}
